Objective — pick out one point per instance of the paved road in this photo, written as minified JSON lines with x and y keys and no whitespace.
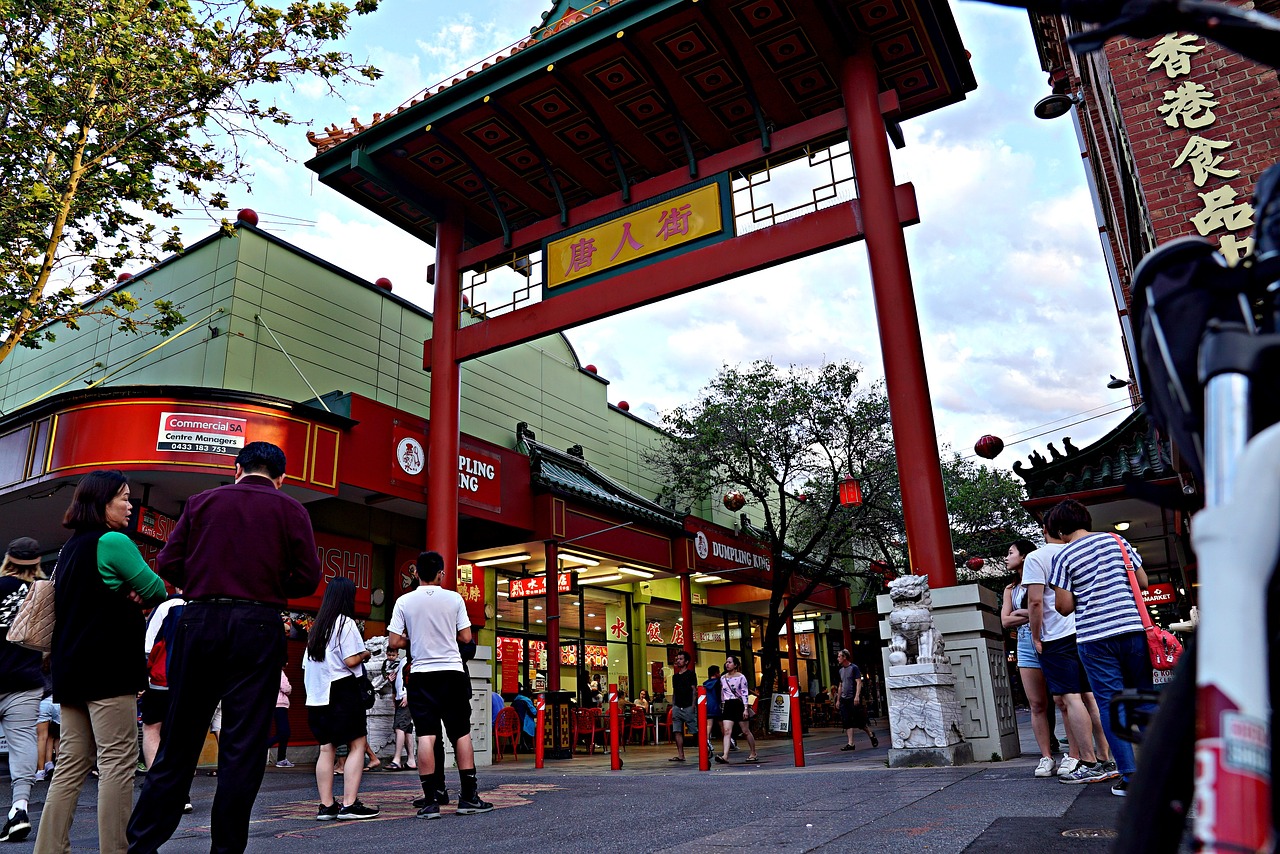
{"x":839,"y":802}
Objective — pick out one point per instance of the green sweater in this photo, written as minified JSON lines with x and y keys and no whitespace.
{"x":121,"y":564}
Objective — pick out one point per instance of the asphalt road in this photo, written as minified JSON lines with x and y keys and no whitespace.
{"x":839,"y":802}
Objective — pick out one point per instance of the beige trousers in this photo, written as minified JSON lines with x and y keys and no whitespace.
{"x":108,"y":731}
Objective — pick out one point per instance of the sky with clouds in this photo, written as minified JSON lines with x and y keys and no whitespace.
{"x":1016,"y":312}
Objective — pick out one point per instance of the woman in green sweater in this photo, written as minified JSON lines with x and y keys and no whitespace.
{"x":98,"y":667}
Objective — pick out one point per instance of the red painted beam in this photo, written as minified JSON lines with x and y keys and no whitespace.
{"x":812,"y":233}
{"x":746,"y":154}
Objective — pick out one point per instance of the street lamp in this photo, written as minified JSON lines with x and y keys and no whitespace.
{"x":850,"y":492}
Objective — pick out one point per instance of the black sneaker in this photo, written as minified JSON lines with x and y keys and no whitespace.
{"x":16,"y":828}
{"x":429,"y":810}
{"x":441,"y":799}
{"x":328,"y":813}
{"x":875,"y":742}
{"x":473,"y":806}
{"x":356,"y":811}
{"x":1121,"y":788}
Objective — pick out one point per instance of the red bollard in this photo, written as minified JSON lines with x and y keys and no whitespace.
{"x":704,"y":758}
{"x":796,"y":741}
{"x":539,"y":744}
{"x":615,"y":758}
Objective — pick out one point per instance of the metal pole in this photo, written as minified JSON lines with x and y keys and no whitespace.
{"x":704,"y":756}
{"x":615,"y":758}
{"x":797,"y":740}
{"x":914,"y":437}
{"x":539,"y":744}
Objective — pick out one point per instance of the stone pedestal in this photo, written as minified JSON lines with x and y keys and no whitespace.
{"x":924,"y":717}
{"x":968,"y":618}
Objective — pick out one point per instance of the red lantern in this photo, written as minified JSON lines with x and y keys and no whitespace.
{"x":248,"y":216}
{"x":384,"y":283}
{"x":800,"y":496}
{"x":975,"y":563}
{"x":988,"y":447}
{"x":850,"y":492}
{"x":734,"y":501}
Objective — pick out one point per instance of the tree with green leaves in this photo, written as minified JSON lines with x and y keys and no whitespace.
{"x":786,"y":438}
{"x":116,"y":112}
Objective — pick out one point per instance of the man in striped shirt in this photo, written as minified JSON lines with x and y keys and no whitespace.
{"x":1091,"y":579}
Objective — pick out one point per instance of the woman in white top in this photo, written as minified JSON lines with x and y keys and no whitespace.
{"x":335,"y":709}
{"x":733,"y":707}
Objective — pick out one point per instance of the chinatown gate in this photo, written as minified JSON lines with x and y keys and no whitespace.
{"x":616,"y":158}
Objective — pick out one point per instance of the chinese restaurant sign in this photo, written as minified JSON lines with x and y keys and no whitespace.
{"x":529,"y":588}
{"x":629,"y":237}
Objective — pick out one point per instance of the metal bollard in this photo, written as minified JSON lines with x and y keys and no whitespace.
{"x":615,"y":758}
{"x":704,"y":758}
{"x":539,"y":744}
{"x":796,"y":740}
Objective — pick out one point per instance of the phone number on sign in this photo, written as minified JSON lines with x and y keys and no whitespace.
{"x":195,"y":447}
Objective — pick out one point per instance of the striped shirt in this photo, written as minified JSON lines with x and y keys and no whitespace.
{"x":1093,"y":569}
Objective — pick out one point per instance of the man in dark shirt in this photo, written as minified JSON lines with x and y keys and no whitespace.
{"x":239,"y":552}
{"x":683,"y":711}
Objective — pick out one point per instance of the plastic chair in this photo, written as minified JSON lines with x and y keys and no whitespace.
{"x":583,"y":722}
{"x":507,"y":726}
{"x":637,"y":723}
{"x":664,"y":722}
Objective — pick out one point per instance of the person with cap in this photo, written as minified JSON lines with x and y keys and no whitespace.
{"x":21,"y":685}
{"x":239,"y":552}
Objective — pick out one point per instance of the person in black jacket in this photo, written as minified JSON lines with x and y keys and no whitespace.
{"x":239,"y":552}
{"x":21,"y":685}
{"x":96,"y":660}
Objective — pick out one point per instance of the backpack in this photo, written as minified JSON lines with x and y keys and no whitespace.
{"x":162,"y":650}
{"x":713,"y":697}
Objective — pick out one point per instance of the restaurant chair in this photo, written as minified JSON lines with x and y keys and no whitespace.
{"x":506,"y":726}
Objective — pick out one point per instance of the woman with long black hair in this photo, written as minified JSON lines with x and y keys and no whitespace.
{"x":734,"y":692}
{"x":335,"y":710}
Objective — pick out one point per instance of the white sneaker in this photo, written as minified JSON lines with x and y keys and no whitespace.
{"x":1068,"y":766}
{"x":40,"y":775}
{"x":1045,"y":768}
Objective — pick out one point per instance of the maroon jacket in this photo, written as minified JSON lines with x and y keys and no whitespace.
{"x":245,"y":540}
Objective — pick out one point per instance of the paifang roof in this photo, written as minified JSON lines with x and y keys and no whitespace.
{"x":602,"y":98}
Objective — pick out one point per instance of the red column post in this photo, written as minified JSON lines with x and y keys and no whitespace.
{"x":686,"y":611}
{"x":914,"y":435}
{"x":446,"y":401}
{"x":553,"y":614}
{"x":539,"y":743}
{"x":797,"y":740}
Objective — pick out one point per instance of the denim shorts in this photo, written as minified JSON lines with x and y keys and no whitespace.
{"x":1027,"y":656}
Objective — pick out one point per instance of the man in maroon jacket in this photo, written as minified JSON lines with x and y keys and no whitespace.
{"x":239,"y":552}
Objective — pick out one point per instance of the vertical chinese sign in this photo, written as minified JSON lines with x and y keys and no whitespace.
{"x":1205,"y":155}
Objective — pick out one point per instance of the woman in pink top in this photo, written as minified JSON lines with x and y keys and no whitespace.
{"x":733,"y":707}
{"x":280,"y":736}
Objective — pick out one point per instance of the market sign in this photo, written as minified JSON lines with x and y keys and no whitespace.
{"x":1158,"y":594}
{"x":195,"y":433}
{"x":535,"y":586}
{"x":649,"y":230}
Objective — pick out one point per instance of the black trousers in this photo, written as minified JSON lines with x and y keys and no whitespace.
{"x":223,"y":652}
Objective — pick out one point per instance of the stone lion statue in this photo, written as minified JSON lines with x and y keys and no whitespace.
{"x":914,"y":640}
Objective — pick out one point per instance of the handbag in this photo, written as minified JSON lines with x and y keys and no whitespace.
{"x":1162,"y":646}
{"x":367,"y":694}
{"x":32,"y":626}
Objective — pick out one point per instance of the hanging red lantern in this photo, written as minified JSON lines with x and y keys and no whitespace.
{"x":975,"y":563}
{"x":988,"y":447}
{"x":850,"y":492}
{"x":734,"y":501}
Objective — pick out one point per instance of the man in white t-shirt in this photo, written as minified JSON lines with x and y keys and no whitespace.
{"x":1055,"y":638}
{"x":431,"y":622}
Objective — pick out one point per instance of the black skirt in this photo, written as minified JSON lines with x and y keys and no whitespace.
{"x":343,"y":720}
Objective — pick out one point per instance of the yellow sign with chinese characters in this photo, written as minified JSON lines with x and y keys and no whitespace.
{"x":641,"y":233}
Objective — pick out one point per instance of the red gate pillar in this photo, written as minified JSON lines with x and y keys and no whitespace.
{"x":793,"y":657}
{"x":686,"y":611}
{"x":553,"y":614}
{"x":914,"y":435}
{"x":446,"y":402}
